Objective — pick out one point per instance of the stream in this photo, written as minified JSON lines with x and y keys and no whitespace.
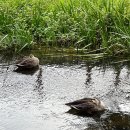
{"x":35,"y":100}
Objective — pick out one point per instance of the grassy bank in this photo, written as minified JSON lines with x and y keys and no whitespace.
{"x":93,"y":26}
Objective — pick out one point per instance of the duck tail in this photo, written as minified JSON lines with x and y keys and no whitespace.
{"x":19,"y":65}
{"x":68,"y":104}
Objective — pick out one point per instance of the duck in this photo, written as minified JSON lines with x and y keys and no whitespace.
{"x":87,"y":105}
{"x":28,"y":62}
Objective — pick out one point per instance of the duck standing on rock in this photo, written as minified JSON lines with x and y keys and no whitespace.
{"x":87,"y":105}
{"x":29,"y":62}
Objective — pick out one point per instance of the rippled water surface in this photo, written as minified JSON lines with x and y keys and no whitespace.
{"x":35,"y":100}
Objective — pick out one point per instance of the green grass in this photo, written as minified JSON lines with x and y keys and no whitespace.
{"x":90,"y":25}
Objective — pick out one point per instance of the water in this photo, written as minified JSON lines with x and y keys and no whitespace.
{"x":35,"y":100}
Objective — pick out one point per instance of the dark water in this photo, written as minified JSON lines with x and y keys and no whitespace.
{"x":35,"y":100}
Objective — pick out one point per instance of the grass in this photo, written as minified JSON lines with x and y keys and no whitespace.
{"x":89,"y":25}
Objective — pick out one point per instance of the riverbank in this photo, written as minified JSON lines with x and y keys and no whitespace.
{"x":94,"y":26}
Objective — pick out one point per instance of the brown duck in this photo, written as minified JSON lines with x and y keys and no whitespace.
{"x":28,"y":62}
{"x":87,"y":105}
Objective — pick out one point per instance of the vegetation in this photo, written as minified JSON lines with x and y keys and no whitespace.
{"x":91,"y":25}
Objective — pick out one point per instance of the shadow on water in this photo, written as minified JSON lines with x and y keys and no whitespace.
{"x":111,"y":121}
{"x":26,"y":71}
{"x":116,"y":121}
{"x":35,"y":99}
{"x":82,"y":114}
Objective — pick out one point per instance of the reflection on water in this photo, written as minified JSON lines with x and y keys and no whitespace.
{"x":35,"y":101}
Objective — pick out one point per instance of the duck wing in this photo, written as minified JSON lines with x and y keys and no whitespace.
{"x":26,"y":62}
{"x":88,"y":106}
{"x":80,"y":101}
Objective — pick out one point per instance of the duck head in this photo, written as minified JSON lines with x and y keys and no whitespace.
{"x":31,"y":55}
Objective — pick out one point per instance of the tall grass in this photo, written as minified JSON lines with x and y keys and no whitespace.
{"x":85,"y":24}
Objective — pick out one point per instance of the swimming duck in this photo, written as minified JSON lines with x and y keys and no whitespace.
{"x":28,"y":62}
{"x":87,"y":105}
